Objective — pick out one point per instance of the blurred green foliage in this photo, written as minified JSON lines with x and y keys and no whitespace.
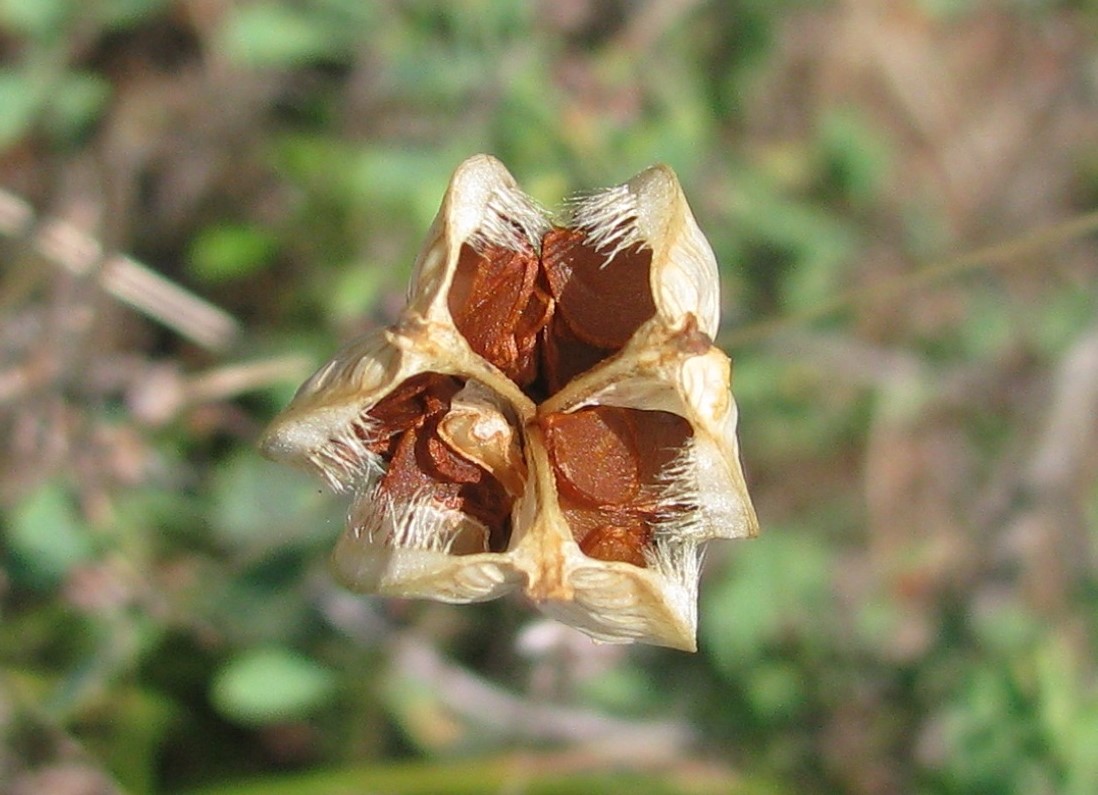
{"x":269,"y":685}
{"x":919,"y":613}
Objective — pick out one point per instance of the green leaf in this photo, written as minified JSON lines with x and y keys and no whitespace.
{"x":400,"y":180}
{"x":358,"y":288}
{"x":1007,"y":629}
{"x":120,"y":14}
{"x":47,"y":538}
{"x":625,"y":690}
{"x":38,"y":19}
{"x":777,"y":690}
{"x":19,"y":97}
{"x":128,"y":734}
{"x":76,"y":102}
{"x":855,"y":157}
{"x":991,"y":325}
{"x":270,"y":35}
{"x":258,"y":504}
{"x":779,"y":588}
{"x":979,"y":759}
{"x":270,"y":685}
{"x":230,"y":251}
{"x":1063,"y":318}
{"x":1081,"y":762}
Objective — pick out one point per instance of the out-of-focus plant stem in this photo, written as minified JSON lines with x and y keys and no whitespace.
{"x":993,"y":256}
{"x":559,"y":774}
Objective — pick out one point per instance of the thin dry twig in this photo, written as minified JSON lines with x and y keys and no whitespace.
{"x":157,"y":394}
{"x":128,"y":280}
{"x":995,"y":255}
{"x":1047,"y":538}
{"x":1068,"y":439}
{"x":415,"y":661}
{"x":468,"y":696}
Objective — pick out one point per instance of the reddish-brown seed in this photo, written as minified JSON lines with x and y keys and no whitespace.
{"x":394,"y":414}
{"x":603,"y":299}
{"x":419,"y":462}
{"x":565,"y":356}
{"x":438,"y":457}
{"x":529,"y":333}
{"x":404,"y":478}
{"x":661,"y":437}
{"x":499,"y":307}
{"x":595,"y":455}
{"x":623,"y":540}
{"x":608,"y":533}
{"x":611,"y":465}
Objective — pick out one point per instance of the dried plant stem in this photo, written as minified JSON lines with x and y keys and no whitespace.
{"x":232,"y":380}
{"x":1048,"y":538}
{"x":484,"y":706}
{"x":564,"y":773}
{"x":996,"y":255}
{"x":128,"y":280}
{"x":492,"y":708}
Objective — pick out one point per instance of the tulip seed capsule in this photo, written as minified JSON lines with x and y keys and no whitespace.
{"x":549,"y":413}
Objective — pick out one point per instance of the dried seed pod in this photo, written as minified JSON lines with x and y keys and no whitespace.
{"x":549,"y":413}
{"x":476,"y":283}
{"x":427,"y":504}
{"x":674,"y":484}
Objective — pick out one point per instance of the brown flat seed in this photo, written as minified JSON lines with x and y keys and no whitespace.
{"x":565,"y":356}
{"x":404,"y":478}
{"x":623,"y":541}
{"x":419,"y":461}
{"x":489,"y":503}
{"x":661,"y":437}
{"x":594,"y":455}
{"x":394,"y":414}
{"x":608,"y":533}
{"x":529,"y":333}
{"x":603,"y":299}
{"x":611,"y":466}
{"x":497,"y":306}
{"x":438,"y":458}
{"x":437,"y":396}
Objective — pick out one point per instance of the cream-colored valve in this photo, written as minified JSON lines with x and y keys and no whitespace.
{"x":548,"y":415}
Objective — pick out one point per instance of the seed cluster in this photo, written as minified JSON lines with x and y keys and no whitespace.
{"x":549,"y":414}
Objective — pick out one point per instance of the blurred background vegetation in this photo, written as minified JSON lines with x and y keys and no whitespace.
{"x":200,"y":199}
